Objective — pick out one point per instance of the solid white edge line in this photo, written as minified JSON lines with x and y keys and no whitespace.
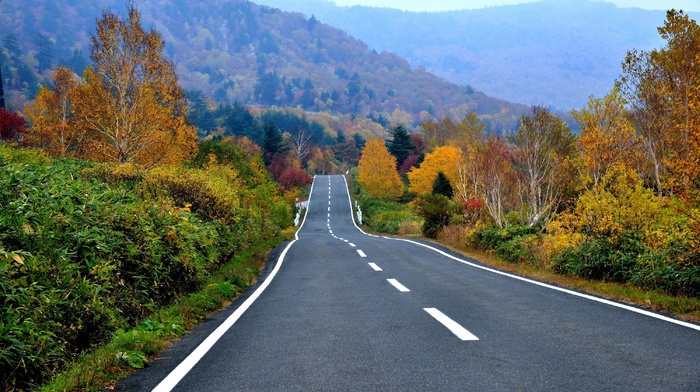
{"x":450,"y":324}
{"x":172,"y":379}
{"x":375,"y":267}
{"x":560,"y":289}
{"x":398,"y":285}
{"x":545,"y":285}
{"x":361,"y":253}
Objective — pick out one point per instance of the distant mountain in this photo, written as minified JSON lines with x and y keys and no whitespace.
{"x":552,"y":52}
{"x":237,"y":51}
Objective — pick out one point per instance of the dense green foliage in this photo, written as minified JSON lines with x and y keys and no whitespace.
{"x":436,"y":211}
{"x":387,"y":216}
{"x":88,"y":249}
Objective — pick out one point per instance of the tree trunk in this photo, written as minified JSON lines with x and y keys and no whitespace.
{"x":2,"y":93}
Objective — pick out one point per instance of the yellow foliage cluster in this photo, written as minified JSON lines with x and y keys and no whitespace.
{"x":619,"y":203}
{"x":212,"y":193}
{"x":377,"y":172}
{"x":445,"y":159}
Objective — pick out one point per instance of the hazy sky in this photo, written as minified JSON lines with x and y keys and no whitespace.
{"x":445,"y":5}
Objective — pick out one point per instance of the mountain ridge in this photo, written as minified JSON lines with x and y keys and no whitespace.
{"x":238,"y":51}
{"x":555,"y":53}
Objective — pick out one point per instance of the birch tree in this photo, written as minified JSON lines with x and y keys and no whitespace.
{"x":131,"y":101}
{"x":543,"y":144}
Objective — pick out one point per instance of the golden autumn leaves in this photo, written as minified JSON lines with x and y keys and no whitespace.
{"x":127,"y":108}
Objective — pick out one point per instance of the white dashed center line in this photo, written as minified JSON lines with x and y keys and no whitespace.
{"x":361,"y":253}
{"x":455,"y":328}
{"x":375,"y":267}
{"x":398,"y":285}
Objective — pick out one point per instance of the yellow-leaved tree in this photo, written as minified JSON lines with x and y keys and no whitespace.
{"x":445,"y":159}
{"x":53,"y":122}
{"x":607,"y":136}
{"x":130,"y":101}
{"x":377,"y":172}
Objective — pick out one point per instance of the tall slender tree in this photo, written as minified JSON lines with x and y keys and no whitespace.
{"x":543,"y":146}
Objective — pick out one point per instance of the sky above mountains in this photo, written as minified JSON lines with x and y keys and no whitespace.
{"x":448,"y":5}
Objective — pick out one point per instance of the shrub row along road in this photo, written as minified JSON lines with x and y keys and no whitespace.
{"x":343,"y":310}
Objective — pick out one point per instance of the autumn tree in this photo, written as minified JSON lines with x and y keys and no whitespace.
{"x":301,"y":143}
{"x":54,"y":127}
{"x":439,"y":133}
{"x":130,"y":101}
{"x":607,"y":136}
{"x":495,"y":178}
{"x":377,"y":172}
{"x":445,"y":159}
{"x":542,"y":152}
{"x":659,"y":86}
{"x":12,"y":126}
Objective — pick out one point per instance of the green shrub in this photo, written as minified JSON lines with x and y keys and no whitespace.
{"x":386,"y":216}
{"x":603,"y":259}
{"x":84,"y":254}
{"x":436,"y":211}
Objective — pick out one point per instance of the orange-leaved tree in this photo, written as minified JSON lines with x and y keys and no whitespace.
{"x":377,"y":172}
{"x":445,"y":159}
{"x":54,"y":127}
{"x":496,"y":178}
{"x":659,"y":86}
{"x":130,"y":101}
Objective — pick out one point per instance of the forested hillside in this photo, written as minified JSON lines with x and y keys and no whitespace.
{"x":549,"y":52}
{"x":237,"y":51}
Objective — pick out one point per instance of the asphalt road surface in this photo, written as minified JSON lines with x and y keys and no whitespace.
{"x":341,"y":310}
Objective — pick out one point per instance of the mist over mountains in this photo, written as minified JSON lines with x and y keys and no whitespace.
{"x":552,"y":52}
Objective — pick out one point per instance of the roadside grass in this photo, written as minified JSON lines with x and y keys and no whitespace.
{"x":134,"y":349}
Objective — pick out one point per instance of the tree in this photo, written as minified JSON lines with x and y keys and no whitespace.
{"x":607,"y":136}
{"x":45,"y":53}
{"x":436,"y":211}
{"x":54,"y":127}
{"x":301,"y":139}
{"x":130,"y":102}
{"x":273,"y":143}
{"x":543,"y":147}
{"x":496,"y":178}
{"x":442,"y":186}
{"x":445,"y":159}
{"x":377,"y":172}
{"x":659,"y":85}
{"x":12,"y":126}
{"x":400,"y":146}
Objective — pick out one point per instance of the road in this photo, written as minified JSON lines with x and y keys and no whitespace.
{"x":339,"y":309}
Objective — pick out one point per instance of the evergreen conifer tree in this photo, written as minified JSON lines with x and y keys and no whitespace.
{"x":401,"y":145}
{"x":442,"y":186}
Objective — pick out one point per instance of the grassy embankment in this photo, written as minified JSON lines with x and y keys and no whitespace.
{"x":100,"y":265}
